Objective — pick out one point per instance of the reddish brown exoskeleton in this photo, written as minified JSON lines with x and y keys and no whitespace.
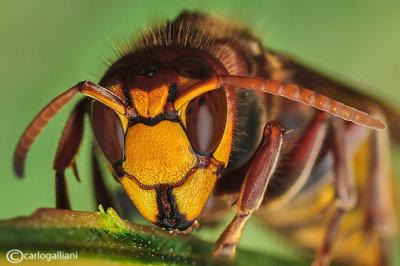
{"x":197,"y":110}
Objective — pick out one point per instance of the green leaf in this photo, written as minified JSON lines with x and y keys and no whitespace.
{"x":100,"y":237}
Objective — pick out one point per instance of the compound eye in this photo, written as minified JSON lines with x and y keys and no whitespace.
{"x":205,"y":121}
{"x":193,"y":67}
{"x":109,"y":131}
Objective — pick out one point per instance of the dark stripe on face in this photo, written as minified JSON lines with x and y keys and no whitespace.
{"x":172,"y":91}
{"x":151,"y":121}
{"x":128,"y":98}
{"x":169,"y":216}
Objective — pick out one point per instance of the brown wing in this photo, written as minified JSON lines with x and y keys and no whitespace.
{"x":294,"y":72}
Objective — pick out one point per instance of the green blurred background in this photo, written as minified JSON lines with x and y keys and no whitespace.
{"x":48,"y":46}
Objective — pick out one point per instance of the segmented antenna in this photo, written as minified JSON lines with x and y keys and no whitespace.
{"x":305,"y":96}
{"x":292,"y":92}
{"x":50,"y":110}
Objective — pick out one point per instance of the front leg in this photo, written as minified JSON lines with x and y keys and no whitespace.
{"x":253,"y":188}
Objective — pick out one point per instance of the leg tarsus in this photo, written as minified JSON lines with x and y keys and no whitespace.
{"x":226,"y":244}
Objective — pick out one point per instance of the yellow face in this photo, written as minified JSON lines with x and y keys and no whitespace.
{"x":165,"y":175}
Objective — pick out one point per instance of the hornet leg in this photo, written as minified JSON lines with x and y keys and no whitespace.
{"x":67,"y":149}
{"x":253,"y":188}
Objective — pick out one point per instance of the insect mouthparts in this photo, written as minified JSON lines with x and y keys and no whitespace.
{"x":169,"y":216}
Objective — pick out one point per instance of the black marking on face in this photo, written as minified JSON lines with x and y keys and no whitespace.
{"x":172,"y":92}
{"x":128,"y":98}
{"x":169,"y":216}
{"x":151,"y":121}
